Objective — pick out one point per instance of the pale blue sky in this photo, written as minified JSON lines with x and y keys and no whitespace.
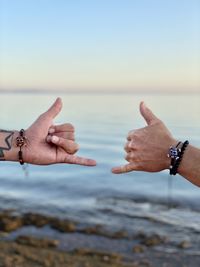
{"x":100,"y":45}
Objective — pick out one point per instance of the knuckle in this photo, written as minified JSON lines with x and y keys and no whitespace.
{"x":128,"y":137}
{"x":126,"y":146}
{"x":70,"y":150}
{"x":72,"y":137}
{"x":136,"y":134}
{"x":130,"y":133}
{"x":126,"y":168}
{"x":131,"y":145}
{"x":130,"y":157}
{"x":42,"y":116}
{"x":68,"y":158}
{"x":76,"y":147}
{"x":60,"y":141}
{"x":73,"y":148}
{"x":126,"y":157}
{"x":71,"y":127}
{"x":82,"y":161}
{"x":140,"y":165}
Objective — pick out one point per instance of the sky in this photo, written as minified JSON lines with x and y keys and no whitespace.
{"x":105,"y":45}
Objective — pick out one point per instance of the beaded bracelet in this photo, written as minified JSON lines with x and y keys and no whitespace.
{"x":176,"y":155}
{"x":175,"y":167}
{"x":21,"y":141}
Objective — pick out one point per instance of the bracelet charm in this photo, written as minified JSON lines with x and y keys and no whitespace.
{"x":21,"y":141}
{"x":174,"y":152}
{"x":176,"y":155}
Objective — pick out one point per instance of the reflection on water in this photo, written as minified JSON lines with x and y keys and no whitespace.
{"x":102,"y":123}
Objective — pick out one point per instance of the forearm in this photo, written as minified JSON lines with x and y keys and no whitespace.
{"x":190,"y":165}
{"x":8,"y":149}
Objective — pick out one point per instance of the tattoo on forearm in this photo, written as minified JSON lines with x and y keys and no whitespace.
{"x":5,"y":142}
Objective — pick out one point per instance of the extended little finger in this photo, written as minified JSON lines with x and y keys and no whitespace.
{"x":79,"y":160}
{"x":125,"y":168}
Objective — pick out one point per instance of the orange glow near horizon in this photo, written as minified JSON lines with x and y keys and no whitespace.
{"x":100,"y":46}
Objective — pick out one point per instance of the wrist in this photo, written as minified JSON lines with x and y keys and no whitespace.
{"x":12,"y":154}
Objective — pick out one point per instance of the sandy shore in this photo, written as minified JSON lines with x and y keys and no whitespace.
{"x":36,"y":240}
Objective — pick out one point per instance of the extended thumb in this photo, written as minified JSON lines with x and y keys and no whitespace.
{"x":54,"y":110}
{"x":147,"y":114}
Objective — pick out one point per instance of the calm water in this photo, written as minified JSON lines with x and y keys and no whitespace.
{"x":95,"y":195}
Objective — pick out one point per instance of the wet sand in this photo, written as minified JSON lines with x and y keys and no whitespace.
{"x":37,"y":240}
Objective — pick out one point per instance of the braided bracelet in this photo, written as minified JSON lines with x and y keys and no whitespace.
{"x":21,"y":141}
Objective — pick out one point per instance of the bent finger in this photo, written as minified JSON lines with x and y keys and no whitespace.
{"x":131,"y":134}
{"x":126,"y":147}
{"x":66,"y":127}
{"x":68,"y":145}
{"x":66,"y":135}
{"x":129,"y":156}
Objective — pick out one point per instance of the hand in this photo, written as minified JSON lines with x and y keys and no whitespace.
{"x":49,"y":143}
{"x":147,"y":148}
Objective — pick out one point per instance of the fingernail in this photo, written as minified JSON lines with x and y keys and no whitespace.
{"x":51,"y":130}
{"x":55,"y":139}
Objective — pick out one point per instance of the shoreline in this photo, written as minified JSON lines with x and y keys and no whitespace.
{"x":67,"y":242}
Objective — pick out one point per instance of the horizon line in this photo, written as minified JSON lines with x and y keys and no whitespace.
{"x":104,"y":91}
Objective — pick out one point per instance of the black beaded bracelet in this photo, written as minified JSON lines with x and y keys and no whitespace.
{"x":174,"y":169}
{"x":174,"y":155}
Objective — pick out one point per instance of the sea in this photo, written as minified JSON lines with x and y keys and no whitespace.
{"x":93,"y":195}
